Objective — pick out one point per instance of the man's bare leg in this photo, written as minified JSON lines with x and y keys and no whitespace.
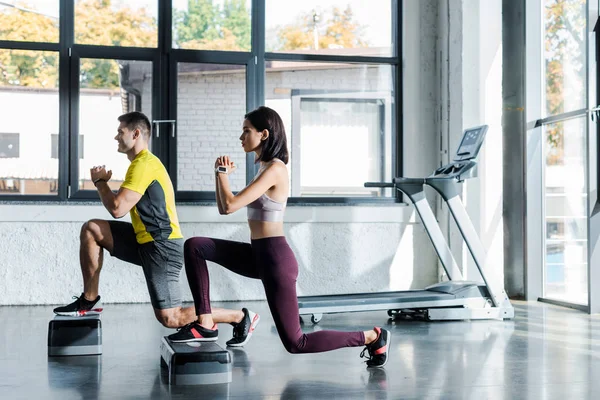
{"x":220,"y":315}
{"x":94,"y":238}
{"x":178,"y":316}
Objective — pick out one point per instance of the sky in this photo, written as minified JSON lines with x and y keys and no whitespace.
{"x":375,"y":15}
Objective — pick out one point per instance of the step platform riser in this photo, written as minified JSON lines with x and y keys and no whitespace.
{"x":197,"y":363}
{"x":75,"y":336}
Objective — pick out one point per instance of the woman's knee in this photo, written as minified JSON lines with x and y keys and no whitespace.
{"x":293,"y":346}
{"x":196,"y":246}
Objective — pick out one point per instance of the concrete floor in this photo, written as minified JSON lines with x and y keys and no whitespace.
{"x":546,"y":352}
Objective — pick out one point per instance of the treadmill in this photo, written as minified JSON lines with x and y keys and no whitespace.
{"x":455,"y":299}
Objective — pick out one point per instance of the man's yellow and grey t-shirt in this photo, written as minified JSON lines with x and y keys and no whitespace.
{"x":154,"y":217}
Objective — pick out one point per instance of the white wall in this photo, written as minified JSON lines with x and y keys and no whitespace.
{"x":39,"y":261}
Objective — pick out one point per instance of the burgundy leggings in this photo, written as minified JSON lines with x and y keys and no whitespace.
{"x":272,"y":261}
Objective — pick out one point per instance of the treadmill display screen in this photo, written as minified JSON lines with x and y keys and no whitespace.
{"x":470,"y":144}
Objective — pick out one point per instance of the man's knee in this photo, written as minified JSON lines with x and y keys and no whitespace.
{"x":91,"y":230}
{"x":168,"y":320}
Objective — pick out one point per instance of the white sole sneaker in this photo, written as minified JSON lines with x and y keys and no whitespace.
{"x":255,"y":318}
{"x":387,"y":350}
{"x":195,"y":340}
{"x":81,"y":313}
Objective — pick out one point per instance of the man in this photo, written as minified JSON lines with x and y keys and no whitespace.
{"x":153,"y":240}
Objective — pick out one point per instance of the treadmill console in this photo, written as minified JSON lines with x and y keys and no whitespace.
{"x":471,"y":143}
{"x":463,"y":164}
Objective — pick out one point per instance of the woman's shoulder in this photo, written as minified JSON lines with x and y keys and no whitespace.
{"x":276,"y":163}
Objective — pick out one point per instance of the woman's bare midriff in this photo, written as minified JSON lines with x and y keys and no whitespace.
{"x":263,"y":229}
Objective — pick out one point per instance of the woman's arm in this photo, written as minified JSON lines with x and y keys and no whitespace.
{"x":231,"y":203}
{"x":217,"y":194}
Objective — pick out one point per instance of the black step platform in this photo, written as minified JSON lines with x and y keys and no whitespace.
{"x":75,"y":336}
{"x":195,"y":363}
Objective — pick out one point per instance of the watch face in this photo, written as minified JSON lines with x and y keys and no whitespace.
{"x":221,"y":168}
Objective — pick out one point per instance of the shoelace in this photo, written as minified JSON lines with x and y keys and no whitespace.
{"x":240,"y":328}
{"x":369,"y":348}
{"x":362,"y":353}
{"x":187,"y":326}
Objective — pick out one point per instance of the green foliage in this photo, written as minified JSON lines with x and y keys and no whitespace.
{"x":335,"y":29}
{"x":236,"y":19}
{"x":564,"y":45}
{"x":205,"y":26}
{"x":197,"y":23}
{"x":96,"y":22}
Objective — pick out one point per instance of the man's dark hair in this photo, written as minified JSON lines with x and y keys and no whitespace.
{"x":136,"y":120}
{"x":276,"y":144}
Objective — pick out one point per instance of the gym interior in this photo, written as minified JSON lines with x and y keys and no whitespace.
{"x":443,"y":185}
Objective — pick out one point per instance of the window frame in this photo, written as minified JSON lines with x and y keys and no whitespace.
{"x":165,"y":59}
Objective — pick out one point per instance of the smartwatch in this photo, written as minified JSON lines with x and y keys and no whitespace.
{"x":221,"y":169}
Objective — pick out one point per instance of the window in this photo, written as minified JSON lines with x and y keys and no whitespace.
{"x":54,"y":146}
{"x":338,"y":112}
{"x":207,"y":25}
{"x":333,"y":72}
{"x":565,"y":56}
{"x":9,"y":145}
{"x":211,"y":103}
{"x":107,"y":89}
{"x":29,"y":21}
{"x":335,"y":27}
{"x":29,"y":89}
{"x":116,"y":23}
{"x":565,"y":211}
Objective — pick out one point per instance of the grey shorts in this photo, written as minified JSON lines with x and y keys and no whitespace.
{"x":161,"y":262}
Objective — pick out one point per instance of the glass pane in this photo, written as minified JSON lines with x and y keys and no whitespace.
{"x":109,"y":88}
{"x":565,"y":211}
{"x":29,"y":21}
{"x":341,"y":113}
{"x":208,"y":25}
{"x":563,"y":228}
{"x":565,"y":205}
{"x":337,"y":27}
{"x":211,"y":103}
{"x":117,"y":23}
{"x":29,"y":89}
{"x":565,"y":55}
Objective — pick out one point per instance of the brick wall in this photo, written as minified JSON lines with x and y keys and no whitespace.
{"x":211,"y":107}
{"x":210,"y":112}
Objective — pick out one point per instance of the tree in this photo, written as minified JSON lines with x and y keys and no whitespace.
{"x":338,"y":29}
{"x":236,"y":20}
{"x":25,"y":67}
{"x":96,"y":22}
{"x":564,"y":45}
{"x":197,"y":24}
{"x":205,"y":26}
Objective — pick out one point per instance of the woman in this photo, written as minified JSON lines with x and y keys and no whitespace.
{"x":268,"y":257}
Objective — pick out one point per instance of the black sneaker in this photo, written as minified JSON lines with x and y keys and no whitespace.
{"x":194,"y":332}
{"x":79,"y":307}
{"x":243,"y":330}
{"x":378,"y":350}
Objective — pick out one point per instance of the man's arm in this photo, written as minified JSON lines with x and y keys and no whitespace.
{"x":120,"y":203}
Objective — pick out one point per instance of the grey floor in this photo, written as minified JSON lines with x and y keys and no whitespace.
{"x":546,"y":352}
